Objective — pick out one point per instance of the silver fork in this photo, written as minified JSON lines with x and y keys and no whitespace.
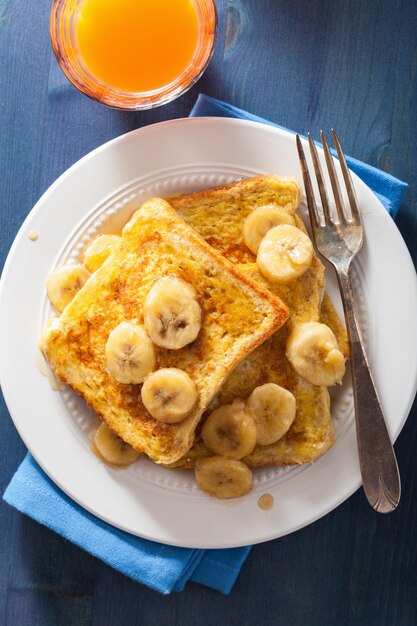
{"x":339,"y":240}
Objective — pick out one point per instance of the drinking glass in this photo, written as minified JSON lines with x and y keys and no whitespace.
{"x":64,"y":42}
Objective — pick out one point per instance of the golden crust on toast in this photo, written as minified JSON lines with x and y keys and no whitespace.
{"x":238,"y":315}
{"x":218,"y":214}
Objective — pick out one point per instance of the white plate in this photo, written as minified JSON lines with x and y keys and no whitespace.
{"x":148,"y":500}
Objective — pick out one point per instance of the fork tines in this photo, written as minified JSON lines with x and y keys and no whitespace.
{"x":342,"y":215}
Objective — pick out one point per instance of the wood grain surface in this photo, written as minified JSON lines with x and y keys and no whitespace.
{"x":351,"y":65}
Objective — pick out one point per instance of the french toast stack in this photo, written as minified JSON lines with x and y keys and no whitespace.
{"x":182,"y":298}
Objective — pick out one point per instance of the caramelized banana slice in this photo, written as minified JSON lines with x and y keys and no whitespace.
{"x":284,"y":254}
{"x":98,"y":251}
{"x":230,"y":430}
{"x":223,"y":478}
{"x":274,"y":409}
{"x":112,"y":448}
{"x":169,"y":394}
{"x":260,"y":221}
{"x":313,"y":352}
{"x":171,"y":312}
{"x":64,"y":282}
{"x":130,"y":355}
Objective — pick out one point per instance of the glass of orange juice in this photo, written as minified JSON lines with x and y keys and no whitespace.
{"x":133,"y":54}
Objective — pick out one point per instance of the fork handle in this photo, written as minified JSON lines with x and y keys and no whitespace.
{"x":379,"y":469}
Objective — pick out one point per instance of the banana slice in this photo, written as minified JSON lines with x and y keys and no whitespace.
{"x":112,"y":448}
{"x":313,"y":352}
{"x":274,"y":409}
{"x":230,"y":430}
{"x":169,"y":395}
{"x":260,"y":221}
{"x":98,"y":251}
{"x":130,"y":354}
{"x":64,"y":282}
{"x":171,"y":312}
{"x":284,"y":254}
{"x":223,"y":478}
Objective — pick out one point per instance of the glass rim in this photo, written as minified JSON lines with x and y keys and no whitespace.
{"x":60,"y":32}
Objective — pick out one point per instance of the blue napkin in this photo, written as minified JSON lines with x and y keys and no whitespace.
{"x":388,"y":189}
{"x":164,"y":568}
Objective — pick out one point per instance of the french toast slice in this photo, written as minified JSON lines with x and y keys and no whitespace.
{"x":218,"y":215}
{"x":239,"y":314}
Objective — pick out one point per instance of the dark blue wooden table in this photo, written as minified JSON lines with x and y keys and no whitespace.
{"x":305,"y":65}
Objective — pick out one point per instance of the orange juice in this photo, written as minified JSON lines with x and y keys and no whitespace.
{"x":137,"y":45}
